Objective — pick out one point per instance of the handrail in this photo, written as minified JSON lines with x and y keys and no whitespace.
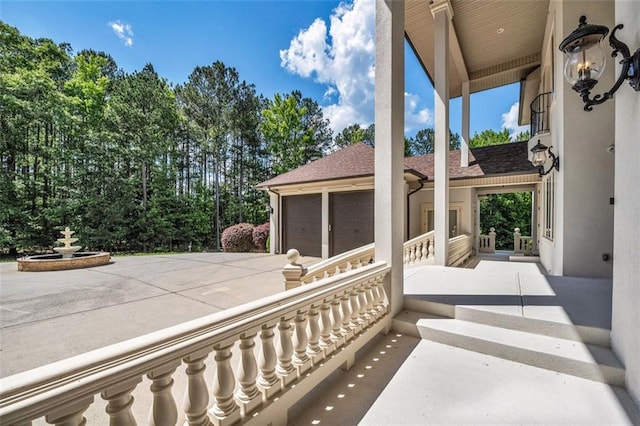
{"x":65,"y":389}
{"x":358,"y":256}
{"x":460,"y":249}
{"x":540,"y":114}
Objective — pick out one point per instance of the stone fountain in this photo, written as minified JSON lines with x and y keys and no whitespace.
{"x":66,"y":257}
{"x":68,"y":250}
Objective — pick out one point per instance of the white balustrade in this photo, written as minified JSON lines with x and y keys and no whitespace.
{"x":419,"y":249}
{"x":522,"y":245}
{"x":344,"y":311}
{"x":487,"y":243}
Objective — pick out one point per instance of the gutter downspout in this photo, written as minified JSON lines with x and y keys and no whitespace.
{"x":421,"y":182}
{"x":278,"y":219}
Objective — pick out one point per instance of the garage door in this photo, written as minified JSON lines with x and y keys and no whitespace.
{"x":302,"y":223}
{"x":351,"y":217}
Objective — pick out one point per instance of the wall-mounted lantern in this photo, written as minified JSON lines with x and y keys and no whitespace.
{"x":540,"y":154}
{"x":586,"y":62}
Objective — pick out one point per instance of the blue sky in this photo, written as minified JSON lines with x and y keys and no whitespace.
{"x":322,"y":48}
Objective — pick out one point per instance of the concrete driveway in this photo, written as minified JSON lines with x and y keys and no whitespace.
{"x":48,"y":316}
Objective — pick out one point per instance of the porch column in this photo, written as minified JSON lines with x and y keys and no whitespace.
{"x":442,"y":14}
{"x":325,"y":224}
{"x":466,"y":108}
{"x":534,"y":220}
{"x":389,"y":142}
{"x":274,"y":229}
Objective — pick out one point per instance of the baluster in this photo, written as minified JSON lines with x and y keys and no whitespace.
{"x":224,"y":410}
{"x":355,"y":263}
{"x":69,"y":415}
{"x":425,"y":250}
{"x":355,"y":325}
{"x":313,"y":348}
{"x":336,"y":322}
{"x":248,"y":396}
{"x":326,"y":344}
{"x":119,"y":402}
{"x":331,"y":272}
{"x":375,"y":311}
{"x":406,"y":256}
{"x":163,"y":408}
{"x":196,"y":396}
{"x":345,"y":327}
{"x":379,"y":300}
{"x":412,"y":255}
{"x":300,"y":360}
{"x":285,"y":370}
{"x":363,"y":318}
{"x":431,"y":249}
{"x":268,"y":381}
{"x":371,"y":311}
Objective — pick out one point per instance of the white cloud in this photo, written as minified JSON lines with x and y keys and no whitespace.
{"x":510,"y":121}
{"x":342,"y":57}
{"x":415,"y":118}
{"x":123,"y":31}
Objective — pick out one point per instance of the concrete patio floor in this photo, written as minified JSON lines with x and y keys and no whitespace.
{"x":48,"y":316}
{"x":402,"y":379}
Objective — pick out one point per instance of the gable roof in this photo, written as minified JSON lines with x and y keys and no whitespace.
{"x":505,"y":159}
{"x":358,"y":161}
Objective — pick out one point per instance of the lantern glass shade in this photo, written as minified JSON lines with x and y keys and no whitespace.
{"x":585,"y":62}
{"x":539,"y":158}
{"x":539,"y":155}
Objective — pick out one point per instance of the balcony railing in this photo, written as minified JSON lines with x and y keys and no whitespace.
{"x":540,"y":114}
{"x":319,"y":328}
{"x":418,"y":249}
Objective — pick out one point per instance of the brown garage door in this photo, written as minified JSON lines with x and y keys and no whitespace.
{"x":302,"y":223}
{"x":351,"y":217}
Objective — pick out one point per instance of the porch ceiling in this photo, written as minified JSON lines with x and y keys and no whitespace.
{"x":479,"y":53}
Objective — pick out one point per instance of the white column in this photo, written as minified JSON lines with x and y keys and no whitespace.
{"x":389,"y":142}
{"x":274,"y":230}
{"x":466,"y":109}
{"x":442,"y":14}
{"x":325,"y":223}
{"x":534,"y":221}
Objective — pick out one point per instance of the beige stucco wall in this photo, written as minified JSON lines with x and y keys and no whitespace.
{"x":584,"y":217}
{"x":462,"y":196}
{"x":626,"y":260}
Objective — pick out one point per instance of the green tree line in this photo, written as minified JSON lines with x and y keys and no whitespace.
{"x":134,"y":163}
{"x":130,"y":161}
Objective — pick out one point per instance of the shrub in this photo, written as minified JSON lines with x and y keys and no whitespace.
{"x":238,"y":238}
{"x":260,"y":236}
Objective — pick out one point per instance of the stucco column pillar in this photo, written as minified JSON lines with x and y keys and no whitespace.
{"x":534,"y":220}
{"x":442,"y":14}
{"x":325,"y":223}
{"x":389,"y":142}
{"x":466,"y":110}
{"x":274,"y":229}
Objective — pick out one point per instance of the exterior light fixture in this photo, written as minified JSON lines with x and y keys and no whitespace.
{"x":268,"y":208}
{"x":540,"y":154}
{"x":586,"y":62}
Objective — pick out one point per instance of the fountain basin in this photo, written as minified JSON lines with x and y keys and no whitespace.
{"x":56,"y":262}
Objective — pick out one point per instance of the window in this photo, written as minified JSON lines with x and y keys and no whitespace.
{"x":549,"y":207}
{"x":427,"y":219}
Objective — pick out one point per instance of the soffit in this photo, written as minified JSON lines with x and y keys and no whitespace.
{"x":491,"y":59}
